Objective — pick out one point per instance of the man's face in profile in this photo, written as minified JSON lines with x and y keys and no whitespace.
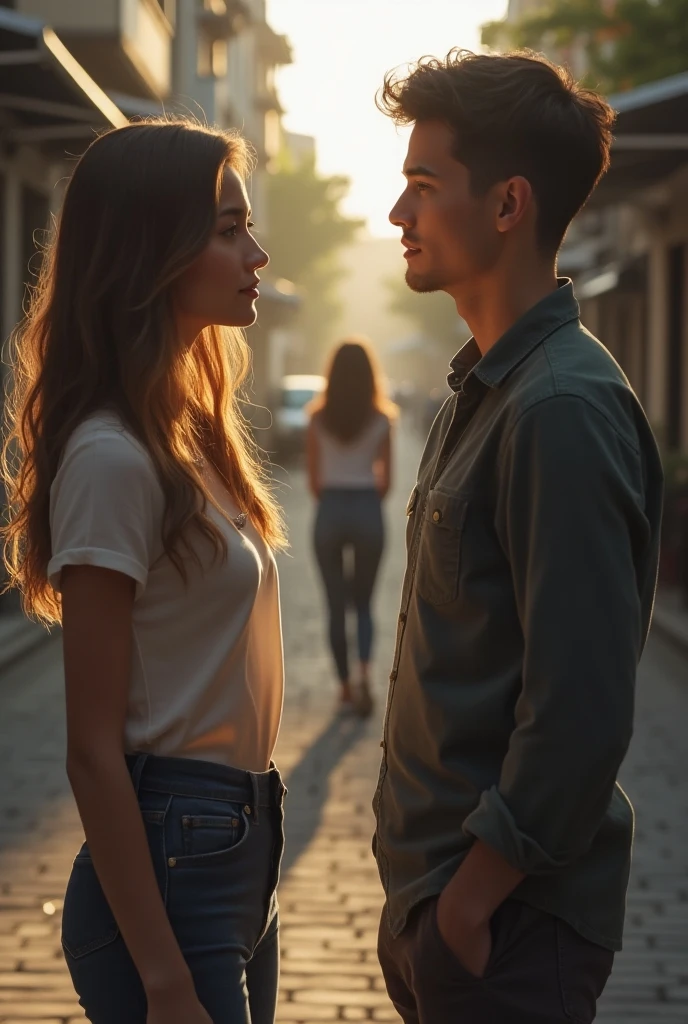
{"x":449,"y":233}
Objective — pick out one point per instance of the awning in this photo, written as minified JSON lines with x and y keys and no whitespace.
{"x":650,"y":138}
{"x":45,"y":95}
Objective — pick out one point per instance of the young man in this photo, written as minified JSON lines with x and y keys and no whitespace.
{"x":503,"y":840}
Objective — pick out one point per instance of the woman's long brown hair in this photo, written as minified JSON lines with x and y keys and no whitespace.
{"x":100,"y":333}
{"x":354,"y":391}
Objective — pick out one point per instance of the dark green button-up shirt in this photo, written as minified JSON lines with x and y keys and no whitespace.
{"x":533,"y":539}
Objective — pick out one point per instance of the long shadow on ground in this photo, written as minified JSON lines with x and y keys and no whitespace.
{"x":308,"y":784}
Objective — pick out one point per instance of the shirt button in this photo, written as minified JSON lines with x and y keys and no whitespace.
{"x":437,"y":516}
{"x":402,"y":617}
{"x":172,"y":861}
{"x":247,"y":809}
{"x":393,"y":676}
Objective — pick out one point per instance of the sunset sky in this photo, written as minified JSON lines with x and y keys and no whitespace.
{"x":342,"y":49}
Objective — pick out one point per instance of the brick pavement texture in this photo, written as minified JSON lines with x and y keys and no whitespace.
{"x":330,"y":896}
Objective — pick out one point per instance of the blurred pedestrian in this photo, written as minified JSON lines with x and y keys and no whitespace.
{"x":503,"y":840}
{"x":143,"y":521}
{"x":350,"y":470}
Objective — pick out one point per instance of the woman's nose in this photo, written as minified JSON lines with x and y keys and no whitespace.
{"x":260,"y":259}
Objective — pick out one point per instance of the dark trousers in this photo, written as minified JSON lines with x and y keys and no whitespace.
{"x":540,"y":971}
{"x":215,"y":836}
{"x":349,"y":520}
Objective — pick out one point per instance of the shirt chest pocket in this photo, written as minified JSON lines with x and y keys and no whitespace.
{"x":439,"y":552}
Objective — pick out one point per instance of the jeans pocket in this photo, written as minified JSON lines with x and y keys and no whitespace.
{"x":584,"y":968}
{"x":88,"y":924}
{"x":447,"y":955}
{"x":210,"y":831}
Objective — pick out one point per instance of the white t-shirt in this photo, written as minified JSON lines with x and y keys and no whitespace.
{"x":350,"y":465}
{"x":207,"y":676}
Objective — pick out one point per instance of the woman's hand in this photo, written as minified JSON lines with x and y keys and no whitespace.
{"x":174,"y":1007}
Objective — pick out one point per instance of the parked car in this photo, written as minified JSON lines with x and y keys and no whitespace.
{"x":290,"y":415}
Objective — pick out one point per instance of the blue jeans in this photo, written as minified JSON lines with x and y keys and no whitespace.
{"x":349,"y":519}
{"x":216,"y":839}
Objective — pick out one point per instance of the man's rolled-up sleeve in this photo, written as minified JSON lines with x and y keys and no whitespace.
{"x":570,"y":520}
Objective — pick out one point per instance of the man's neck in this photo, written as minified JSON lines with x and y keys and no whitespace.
{"x":491,"y":304}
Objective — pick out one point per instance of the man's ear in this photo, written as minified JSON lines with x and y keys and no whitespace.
{"x":516,"y":201}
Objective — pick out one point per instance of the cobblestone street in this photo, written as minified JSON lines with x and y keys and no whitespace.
{"x":330,"y":895}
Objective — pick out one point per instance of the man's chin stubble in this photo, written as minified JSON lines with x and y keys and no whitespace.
{"x":421,"y":284}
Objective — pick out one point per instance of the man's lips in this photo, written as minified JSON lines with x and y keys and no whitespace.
{"x":411,"y":250}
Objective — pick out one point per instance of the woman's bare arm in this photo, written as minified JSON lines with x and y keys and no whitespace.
{"x":97,"y":610}
{"x":313,"y":460}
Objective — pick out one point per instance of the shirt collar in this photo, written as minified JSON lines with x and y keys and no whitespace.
{"x":517,"y":343}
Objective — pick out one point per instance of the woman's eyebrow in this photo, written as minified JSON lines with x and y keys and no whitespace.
{"x":235,"y":211}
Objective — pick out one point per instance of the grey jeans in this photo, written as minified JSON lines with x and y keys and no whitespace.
{"x":540,"y":971}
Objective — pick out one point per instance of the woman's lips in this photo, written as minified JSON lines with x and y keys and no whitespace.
{"x":252,"y":293}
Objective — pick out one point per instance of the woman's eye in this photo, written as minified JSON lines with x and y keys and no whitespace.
{"x":230,"y":232}
{"x":250,"y":225}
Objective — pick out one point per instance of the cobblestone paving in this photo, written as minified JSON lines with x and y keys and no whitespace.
{"x":330,"y":895}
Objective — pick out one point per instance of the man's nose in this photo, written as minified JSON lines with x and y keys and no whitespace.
{"x":399,"y":216}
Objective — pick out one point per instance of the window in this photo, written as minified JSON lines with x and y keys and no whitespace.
{"x":211,"y":58}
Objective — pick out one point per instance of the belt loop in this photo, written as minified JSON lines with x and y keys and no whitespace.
{"x":254,"y":786}
{"x":137,"y":771}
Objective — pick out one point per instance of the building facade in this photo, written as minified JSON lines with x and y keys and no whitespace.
{"x":213,"y":59}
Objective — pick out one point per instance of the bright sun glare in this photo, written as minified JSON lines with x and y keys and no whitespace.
{"x":342,"y":49}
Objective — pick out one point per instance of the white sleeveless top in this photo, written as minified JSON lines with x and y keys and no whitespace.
{"x":206,"y":665}
{"x":350,"y":466}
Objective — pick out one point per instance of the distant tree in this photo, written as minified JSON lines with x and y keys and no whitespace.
{"x":626,"y":42}
{"x":307,"y":230}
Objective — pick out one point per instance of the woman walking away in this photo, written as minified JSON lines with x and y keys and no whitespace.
{"x":349,"y":465}
{"x":142,"y":521}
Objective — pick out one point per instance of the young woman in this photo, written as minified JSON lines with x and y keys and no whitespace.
{"x":349,"y":465}
{"x":142,"y":521}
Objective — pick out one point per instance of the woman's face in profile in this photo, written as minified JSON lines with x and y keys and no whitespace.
{"x":220,"y":286}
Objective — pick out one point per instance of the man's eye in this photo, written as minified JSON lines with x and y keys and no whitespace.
{"x":422,"y":186}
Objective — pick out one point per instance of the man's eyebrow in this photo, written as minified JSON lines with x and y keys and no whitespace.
{"x":419,"y":172}
{"x":235,"y":211}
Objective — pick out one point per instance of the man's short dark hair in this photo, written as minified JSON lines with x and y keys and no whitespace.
{"x":512,"y":114}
